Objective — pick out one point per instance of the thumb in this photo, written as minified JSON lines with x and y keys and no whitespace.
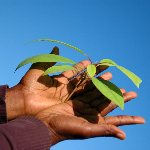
{"x":45,"y":65}
{"x":103,"y":130}
{"x":37,"y":69}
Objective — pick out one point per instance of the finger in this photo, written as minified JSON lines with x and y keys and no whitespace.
{"x":34,"y":74}
{"x":123,"y":90}
{"x":45,"y":65}
{"x":79,"y":128}
{"x":102,"y":130}
{"x":70,"y":75}
{"x":94,"y":98}
{"x":124,"y":120}
{"x":129,"y":96}
{"x":106,"y":76}
{"x":108,"y":107}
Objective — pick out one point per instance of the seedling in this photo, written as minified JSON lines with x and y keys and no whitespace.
{"x":107,"y":88}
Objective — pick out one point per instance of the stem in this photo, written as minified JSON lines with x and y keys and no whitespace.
{"x":83,"y":76}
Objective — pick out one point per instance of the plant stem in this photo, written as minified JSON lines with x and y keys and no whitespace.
{"x":83,"y":77}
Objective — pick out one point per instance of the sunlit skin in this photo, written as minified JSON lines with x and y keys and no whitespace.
{"x":83,"y":116}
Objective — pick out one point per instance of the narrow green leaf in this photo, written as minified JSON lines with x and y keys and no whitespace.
{"x":91,"y":69}
{"x":59,"y":68}
{"x":63,"y":43}
{"x":135,"y":79}
{"x":45,"y":58}
{"x":109,"y":90}
{"x":108,"y":61}
{"x":106,"y":64}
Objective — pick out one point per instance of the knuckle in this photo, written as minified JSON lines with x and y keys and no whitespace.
{"x":108,"y":130}
{"x":84,"y":63}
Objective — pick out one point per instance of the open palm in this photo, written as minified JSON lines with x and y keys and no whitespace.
{"x":36,"y":92}
{"x":79,"y":120}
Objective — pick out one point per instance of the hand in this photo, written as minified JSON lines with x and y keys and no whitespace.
{"x":77,"y":119}
{"x":35,"y":92}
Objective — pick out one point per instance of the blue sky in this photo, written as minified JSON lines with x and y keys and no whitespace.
{"x":116,"y":29}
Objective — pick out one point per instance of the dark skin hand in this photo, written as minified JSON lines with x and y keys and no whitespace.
{"x":83,"y":116}
{"x":35,"y":92}
{"x":79,"y":120}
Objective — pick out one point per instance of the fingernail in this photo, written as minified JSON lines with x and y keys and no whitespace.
{"x":139,"y":120}
{"x":121,"y":136}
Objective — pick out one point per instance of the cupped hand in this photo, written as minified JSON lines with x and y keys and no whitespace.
{"x":36,"y":92}
{"x":79,"y":120}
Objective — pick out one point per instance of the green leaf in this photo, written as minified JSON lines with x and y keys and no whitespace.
{"x":109,"y":90}
{"x":134,"y":78}
{"x":59,"y":68}
{"x":60,"y":42}
{"x":105,"y":64}
{"x":91,"y":69}
{"x":45,"y":58}
{"x":108,"y":61}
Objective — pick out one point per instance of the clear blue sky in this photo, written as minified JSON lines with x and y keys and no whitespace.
{"x":116,"y":29}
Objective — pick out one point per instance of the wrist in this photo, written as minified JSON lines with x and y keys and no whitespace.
{"x":14,"y":102}
{"x":3,"y":114}
{"x":48,"y":120}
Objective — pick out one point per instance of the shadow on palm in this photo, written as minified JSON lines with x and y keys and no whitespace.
{"x":85,"y":117}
